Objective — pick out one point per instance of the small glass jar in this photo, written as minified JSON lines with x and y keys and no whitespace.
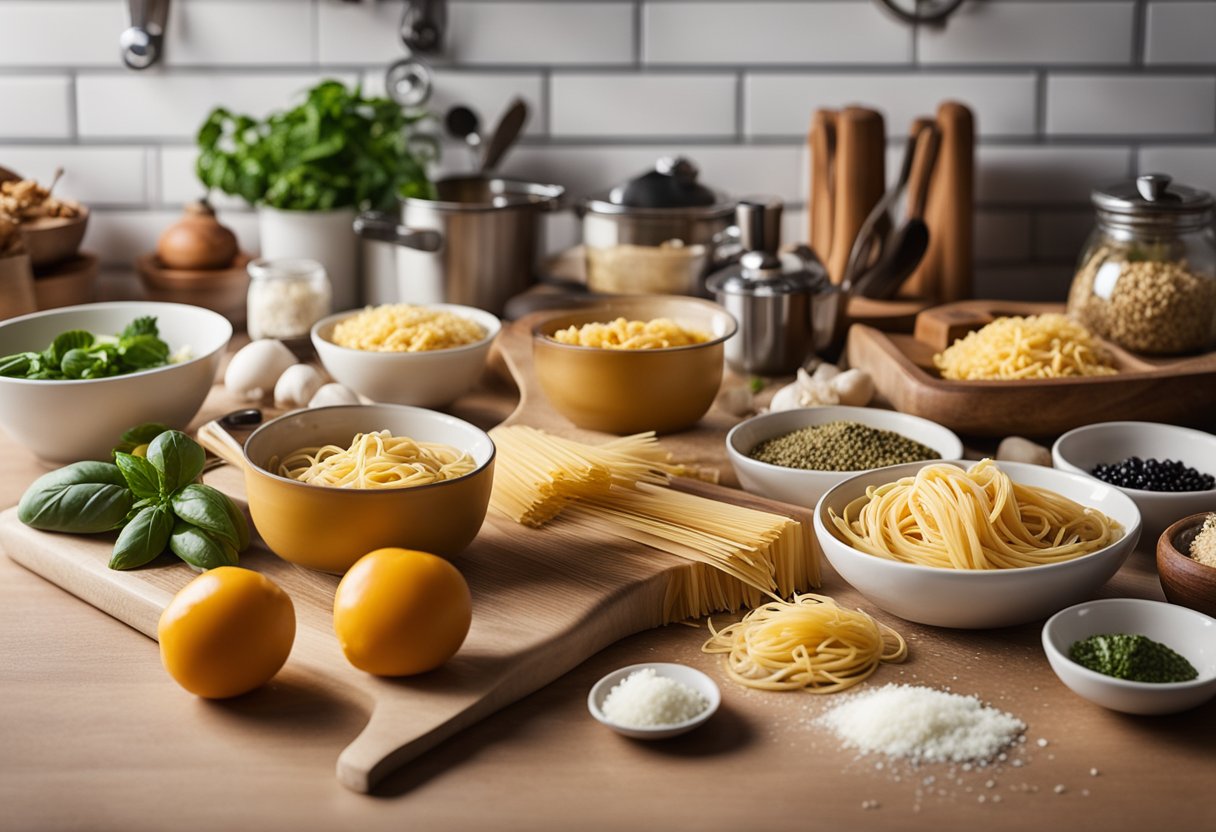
{"x":1147,"y":276}
{"x":286,"y":297}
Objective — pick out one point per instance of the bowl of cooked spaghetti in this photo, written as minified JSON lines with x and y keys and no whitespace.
{"x":633,"y":364}
{"x":427,"y":356}
{"x":975,"y":545}
{"x":328,"y":485}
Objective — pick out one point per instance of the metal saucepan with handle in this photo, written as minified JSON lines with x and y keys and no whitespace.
{"x":475,"y":244}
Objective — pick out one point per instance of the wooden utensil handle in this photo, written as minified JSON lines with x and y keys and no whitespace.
{"x":927,"y":139}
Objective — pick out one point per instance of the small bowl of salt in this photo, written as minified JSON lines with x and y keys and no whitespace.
{"x":654,"y":701}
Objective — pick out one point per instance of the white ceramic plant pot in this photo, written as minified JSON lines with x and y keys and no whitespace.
{"x":324,"y":236}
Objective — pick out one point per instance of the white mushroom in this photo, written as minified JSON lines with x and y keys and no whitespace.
{"x":298,"y":384}
{"x":253,"y":371}
{"x":332,"y":394}
{"x":854,"y":387}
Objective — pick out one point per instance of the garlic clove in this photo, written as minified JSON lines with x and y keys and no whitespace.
{"x":854,"y":387}
{"x":298,"y":384}
{"x":255,"y":369}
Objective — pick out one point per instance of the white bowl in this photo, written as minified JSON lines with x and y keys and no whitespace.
{"x":66,"y":421}
{"x":1081,"y":449}
{"x":695,"y":679}
{"x":1190,"y":634}
{"x":804,"y":487}
{"x":434,"y":378}
{"x":976,"y":599}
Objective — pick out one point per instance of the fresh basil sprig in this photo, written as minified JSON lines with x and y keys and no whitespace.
{"x":155,"y":501}
{"x":77,"y":354}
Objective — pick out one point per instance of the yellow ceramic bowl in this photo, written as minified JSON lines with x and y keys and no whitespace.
{"x":628,"y":391}
{"x":330,"y":528}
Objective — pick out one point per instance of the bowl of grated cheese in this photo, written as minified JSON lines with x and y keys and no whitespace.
{"x":425,"y":356}
{"x":654,"y":700}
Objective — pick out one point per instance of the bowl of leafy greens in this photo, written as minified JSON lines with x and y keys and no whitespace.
{"x":72,"y":379}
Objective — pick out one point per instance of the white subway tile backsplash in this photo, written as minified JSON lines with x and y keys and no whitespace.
{"x":1057,"y":32}
{"x":738,"y":170}
{"x":94,"y":175}
{"x":781,"y":104}
{"x":1190,"y":165}
{"x":121,"y":236}
{"x":1130,"y":105}
{"x":178,"y":183}
{"x":1060,"y":235}
{"x":35,"y":107}
{"x":1181,"y":33}
{"x":622,"y":105}
{"x":485,"y":33}
{"x":768,"y":33}
{"x":487,"y":93}
{"x":237,"y":32}
{"x":1002,"y":236}
{"x":61,"y":32}
{"x":173,"y":105}
{"x":1046,"y":175}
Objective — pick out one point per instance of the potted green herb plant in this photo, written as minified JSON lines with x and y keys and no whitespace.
{"x":309,"y":169}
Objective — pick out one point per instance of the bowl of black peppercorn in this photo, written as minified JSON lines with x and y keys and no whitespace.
{"x":1169,"y":471}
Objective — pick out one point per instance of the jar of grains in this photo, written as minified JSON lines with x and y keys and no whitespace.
{"x":286,"y":297}
{"x":1147,"y":276}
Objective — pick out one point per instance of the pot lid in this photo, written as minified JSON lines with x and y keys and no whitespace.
{"x":762,"y":271}
{"x":671,"y":185}
{"x":1152,"y":193}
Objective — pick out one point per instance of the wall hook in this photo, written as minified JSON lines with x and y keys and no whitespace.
{"x":143,"y":41}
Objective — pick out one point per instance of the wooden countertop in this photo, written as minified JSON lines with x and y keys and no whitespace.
{"x":94,"y":735}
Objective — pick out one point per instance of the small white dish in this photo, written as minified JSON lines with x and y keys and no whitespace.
{"x":1189,"y":633}
{"x":684,"y":674}
{"x":804,"y":487}
{"x":1083,"y":448}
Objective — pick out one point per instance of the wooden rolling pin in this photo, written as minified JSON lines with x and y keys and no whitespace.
{"x":860,"y":180}
{"x":822,"y":142}
{"x":946,"y":273}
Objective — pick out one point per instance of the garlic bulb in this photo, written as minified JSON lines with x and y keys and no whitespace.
{"x":853,"y":387}
{"x":298,"y":384}
{"x":256,"y":367}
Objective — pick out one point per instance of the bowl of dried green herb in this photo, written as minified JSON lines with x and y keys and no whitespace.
{"x":1134,"y":655}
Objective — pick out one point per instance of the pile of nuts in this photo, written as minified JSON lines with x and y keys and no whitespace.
{"x":1150,"y":306}
{"x":24,"y":200}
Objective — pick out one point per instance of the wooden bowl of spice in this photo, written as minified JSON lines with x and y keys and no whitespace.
{"x":1186,"y":562}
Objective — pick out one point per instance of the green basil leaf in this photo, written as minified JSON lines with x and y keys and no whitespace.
{"x":83,"y":362}
{"x":213,"y":512}
{"x":82,"y":498}
{"x":199,"y":549}
{"x":178,"y":458}
{"x":139,"y":435}
{"x":143,"y":352}
{"x":19,"y":365}
{"x":65,"y":342}
{"x":140,"y":326}
{"x":142,"y":478}
{"x":143,"y":538}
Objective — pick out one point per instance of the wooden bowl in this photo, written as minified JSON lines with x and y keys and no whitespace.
{"x":67,"y":283}
{"x":220,"y":290}
{"x":630,"y":391}
{"x":51,"y":240}
{"x":1185,"y":581}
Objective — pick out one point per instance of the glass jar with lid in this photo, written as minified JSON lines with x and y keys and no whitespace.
{"x":1147,"y":277}
{"x":286,"y":297}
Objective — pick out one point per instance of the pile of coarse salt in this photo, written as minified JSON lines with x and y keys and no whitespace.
{"x":644,"y":699}
{"x":922,"y":724}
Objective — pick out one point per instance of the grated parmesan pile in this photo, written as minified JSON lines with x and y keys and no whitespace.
{"x":644,"y":699}
{"x":922,"y":724}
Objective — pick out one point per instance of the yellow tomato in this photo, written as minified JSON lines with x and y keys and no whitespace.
{"x":398,"y":612}
{"x":140,"y":450}
{"x":227,"y":632}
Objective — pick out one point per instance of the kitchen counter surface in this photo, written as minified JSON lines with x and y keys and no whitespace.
{"x":94,"y":735}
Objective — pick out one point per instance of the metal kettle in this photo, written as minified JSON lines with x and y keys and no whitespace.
{"x":786,"y":306}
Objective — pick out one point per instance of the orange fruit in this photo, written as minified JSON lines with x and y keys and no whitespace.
{"x":227,"y":632}
{"x":398,"y":612}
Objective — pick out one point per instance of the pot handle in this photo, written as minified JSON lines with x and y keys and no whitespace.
{"x":377,"y":225}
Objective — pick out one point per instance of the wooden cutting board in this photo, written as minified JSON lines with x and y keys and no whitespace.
{"x":1178,"y":390}
{"x":544,"y":601}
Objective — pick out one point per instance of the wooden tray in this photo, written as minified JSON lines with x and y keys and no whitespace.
{"x":1179,"y":390}
{"x":544,"y":601}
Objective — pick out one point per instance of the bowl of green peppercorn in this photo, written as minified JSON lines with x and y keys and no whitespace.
{"x":1134,"y":655}
{"x":796,"y":456}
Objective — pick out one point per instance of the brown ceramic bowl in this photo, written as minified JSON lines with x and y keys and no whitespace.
{"x":330,"y":528}
{"x":1185,"y":581}
{"x":629,"y":391}
{"x":51,"y":240}
{"x":220,"y":290}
